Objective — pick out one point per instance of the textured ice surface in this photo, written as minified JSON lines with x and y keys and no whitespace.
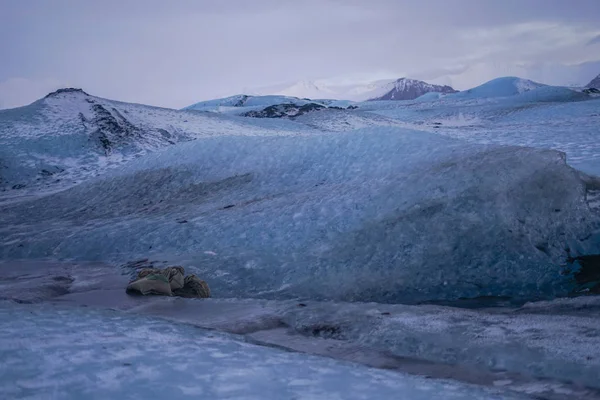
{"x":382,"y":215}
{"x":547,"y":117}
{"x":50,"y":352}
{"x":546,"y":348}
{"x":562,"y":347}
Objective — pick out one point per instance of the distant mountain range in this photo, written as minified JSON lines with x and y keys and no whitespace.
{"x":410,"y":89}
{"x":386,"y":89}
{"x":305,"y":92}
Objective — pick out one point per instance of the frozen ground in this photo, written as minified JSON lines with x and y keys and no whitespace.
{"x":546,"y":350}
{"x":50,"y":352}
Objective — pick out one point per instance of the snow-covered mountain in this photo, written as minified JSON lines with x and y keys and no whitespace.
{"x":70,"y":135}
{"x":500,"y":87}
{"x":324,"y":89}
{"x":383,"y":89}
{"x":595,"y":83}
{"x":410,"y":89}
{"x":243,"y":100}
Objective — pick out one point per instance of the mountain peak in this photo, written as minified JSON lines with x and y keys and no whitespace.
{"x":65,"y":90}
{"x":595,"y":83}
{"x":409,"y":89}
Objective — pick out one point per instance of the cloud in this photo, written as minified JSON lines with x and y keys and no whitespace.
{"x":176,"y":54}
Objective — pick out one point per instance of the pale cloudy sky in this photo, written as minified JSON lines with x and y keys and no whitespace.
{"x":174,"y":53}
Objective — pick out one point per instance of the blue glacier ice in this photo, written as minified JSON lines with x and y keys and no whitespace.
{"x":372,"y":215}
{"x":67,"y":353}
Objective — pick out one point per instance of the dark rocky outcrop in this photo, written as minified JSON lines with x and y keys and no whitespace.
{"x":290,"y":110}
{"x":284,"y":110}
{"x":242,"y":101}
{"x":594,"y":83}
{"x":587,"y":275}
{"x":66,"y":90}
{"x":109,"y":127}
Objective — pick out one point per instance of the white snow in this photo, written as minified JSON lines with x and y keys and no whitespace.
{"x":499,"y":87}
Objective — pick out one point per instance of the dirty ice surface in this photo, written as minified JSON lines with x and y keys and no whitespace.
{"x":71,"y":353}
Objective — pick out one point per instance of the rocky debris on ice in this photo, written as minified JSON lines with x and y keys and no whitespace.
{"x":170,"y":281}
{"x":291,"y":110}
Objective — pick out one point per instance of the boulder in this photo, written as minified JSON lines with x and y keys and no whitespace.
{"x":170,"y":281}
{"x":194,"y":287}
{"x":150,"y":283}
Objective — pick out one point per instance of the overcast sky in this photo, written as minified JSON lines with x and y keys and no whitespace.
{"x":174,"y":53}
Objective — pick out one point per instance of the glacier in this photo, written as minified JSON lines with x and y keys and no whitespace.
{"x":358,"y":216}
{"x":351,"y":235}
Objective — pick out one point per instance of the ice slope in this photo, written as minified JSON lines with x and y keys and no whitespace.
{"x":66,"y":353}
{"x":429,"y":96}
{"x":547,"y":117}
{"x":69,"y":135}
{"x":343,"y":120}
{"x":243,"y":100}
{"x":499,"y":87}
{"x":550,"y":94}
{"x":380,"y":214}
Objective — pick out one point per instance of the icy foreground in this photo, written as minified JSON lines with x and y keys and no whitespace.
{"x":53,"y":352}
{"x":370,"y":215}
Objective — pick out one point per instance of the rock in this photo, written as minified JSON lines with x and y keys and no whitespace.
{"x":170,"y":281}
{"x":66,"y":90}
{"x":150,"y":283}
{"x":287,"y":110}
{"x":588,"y":273}
{"x":174,"y":275}
{"x":194,"y":287}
